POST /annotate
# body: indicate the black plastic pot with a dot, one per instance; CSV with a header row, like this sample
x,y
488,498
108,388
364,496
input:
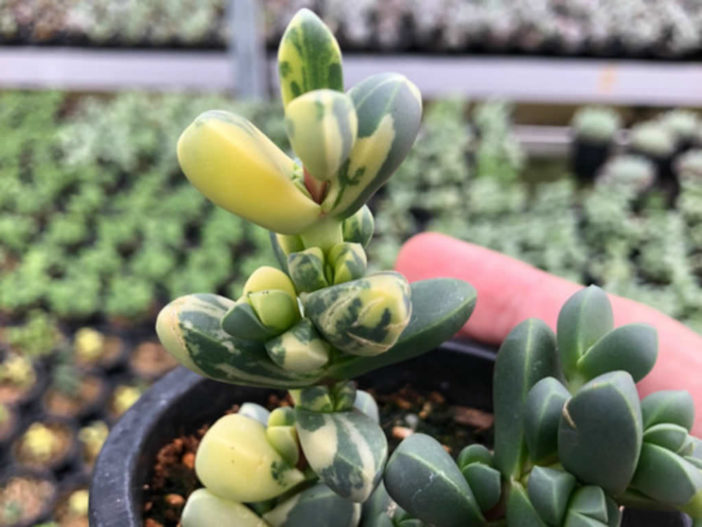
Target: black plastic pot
x,y
587,157
181,402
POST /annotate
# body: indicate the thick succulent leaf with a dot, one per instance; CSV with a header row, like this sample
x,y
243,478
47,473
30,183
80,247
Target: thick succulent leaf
x,y
632,348
474,453
306,269
300,349
239,169
423,479
348,262
520,511
486,484
440,307
309,57
377,507
255,411
359,227
284,440
189,328
694,461
549,490
275,308
239,441
347,450
668,406
600,433
667,477
666,435
389,111
322,127
363,317
526,356
315,398
279,245
242,322
542,415
205,508
365,403
614,513
583,320
587,508
318,505
267,278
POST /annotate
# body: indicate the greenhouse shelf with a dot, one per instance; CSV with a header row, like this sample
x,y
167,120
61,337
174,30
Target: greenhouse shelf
x,y
553,80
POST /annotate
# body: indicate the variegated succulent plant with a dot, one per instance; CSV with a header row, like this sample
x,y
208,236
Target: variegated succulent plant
x,y
573,442
313,326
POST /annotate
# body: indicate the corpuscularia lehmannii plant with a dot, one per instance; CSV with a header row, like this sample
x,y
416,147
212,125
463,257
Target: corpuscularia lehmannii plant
x,y
320,320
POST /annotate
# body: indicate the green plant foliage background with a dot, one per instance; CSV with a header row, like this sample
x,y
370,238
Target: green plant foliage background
x,y
97,220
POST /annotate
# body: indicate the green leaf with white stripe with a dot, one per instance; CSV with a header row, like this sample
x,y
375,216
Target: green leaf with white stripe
x,y
389,111
583,320
318,505
600,433
189,328
526,356
205,508
668,406
549,491
300,349
347,450
362,317
542,415
322,127
423,479
440,307
309,57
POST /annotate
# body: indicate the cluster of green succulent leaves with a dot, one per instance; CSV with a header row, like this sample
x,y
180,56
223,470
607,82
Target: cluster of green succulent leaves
x,y
321,320
123,230
573,442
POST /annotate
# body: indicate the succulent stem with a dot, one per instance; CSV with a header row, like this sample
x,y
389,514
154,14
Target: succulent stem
x,y
324,234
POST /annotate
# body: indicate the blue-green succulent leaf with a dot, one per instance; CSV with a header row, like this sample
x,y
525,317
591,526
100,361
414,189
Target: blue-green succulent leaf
x,y
474,453
549,490
526,356
486,484
668,406
632,348
423,479
542,415
583,320
600,433
666,435
520,511
317,505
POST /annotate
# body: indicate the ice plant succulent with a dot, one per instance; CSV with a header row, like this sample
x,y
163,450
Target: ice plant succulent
x,y
573,442
318,321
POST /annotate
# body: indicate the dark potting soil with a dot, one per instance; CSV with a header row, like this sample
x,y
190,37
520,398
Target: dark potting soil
x,y
402,413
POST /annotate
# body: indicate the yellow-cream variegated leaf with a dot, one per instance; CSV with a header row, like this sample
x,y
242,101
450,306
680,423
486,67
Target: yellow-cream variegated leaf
x,y
309,57
322,127
389,111
238,168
